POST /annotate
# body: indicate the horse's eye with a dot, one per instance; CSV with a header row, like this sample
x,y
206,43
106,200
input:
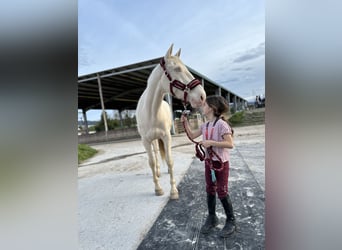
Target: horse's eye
x,y
178,69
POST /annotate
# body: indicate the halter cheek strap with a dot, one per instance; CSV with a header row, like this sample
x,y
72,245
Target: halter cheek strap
x,y
200,152
178,84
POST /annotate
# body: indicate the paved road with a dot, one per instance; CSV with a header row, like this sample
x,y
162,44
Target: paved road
x,y
118,208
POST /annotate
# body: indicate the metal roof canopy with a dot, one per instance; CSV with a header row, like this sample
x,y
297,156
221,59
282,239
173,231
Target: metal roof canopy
x,y
123,86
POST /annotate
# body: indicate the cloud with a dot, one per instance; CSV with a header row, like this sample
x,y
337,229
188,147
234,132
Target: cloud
x,y
115,36
231,80
83,58
251,54
243,69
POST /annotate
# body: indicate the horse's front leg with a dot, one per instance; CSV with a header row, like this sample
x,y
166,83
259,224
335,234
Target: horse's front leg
x,y
152,162
167,142
155,150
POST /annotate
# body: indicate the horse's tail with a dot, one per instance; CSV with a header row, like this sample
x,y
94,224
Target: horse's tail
x,y
161,148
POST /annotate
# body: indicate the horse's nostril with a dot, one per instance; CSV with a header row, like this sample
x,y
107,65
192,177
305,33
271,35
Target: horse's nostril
x,y
202,98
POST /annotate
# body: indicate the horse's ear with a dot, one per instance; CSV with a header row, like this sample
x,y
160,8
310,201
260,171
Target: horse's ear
x,y
169,52
178,53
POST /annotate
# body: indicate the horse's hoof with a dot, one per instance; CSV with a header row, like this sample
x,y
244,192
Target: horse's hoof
x,y
159,192
174,196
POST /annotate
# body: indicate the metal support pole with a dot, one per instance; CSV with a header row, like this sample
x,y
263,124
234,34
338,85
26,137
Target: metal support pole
x,y
218,91
85,120
121,120
102,103
235,103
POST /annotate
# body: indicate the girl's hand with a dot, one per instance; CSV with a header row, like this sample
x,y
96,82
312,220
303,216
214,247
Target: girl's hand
x,y
183,118
206,143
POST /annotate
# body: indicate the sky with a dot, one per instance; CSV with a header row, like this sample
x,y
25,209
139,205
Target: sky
x,y
222,39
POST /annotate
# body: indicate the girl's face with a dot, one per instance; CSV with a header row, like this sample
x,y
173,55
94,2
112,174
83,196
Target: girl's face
x,y
206,109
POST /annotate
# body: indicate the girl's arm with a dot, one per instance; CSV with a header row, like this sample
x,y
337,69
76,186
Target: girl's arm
x,y
192,133
226,143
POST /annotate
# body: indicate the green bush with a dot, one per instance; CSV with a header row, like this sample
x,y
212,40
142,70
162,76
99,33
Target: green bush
x,y
85,152
115,123
128,121
237,118
111,124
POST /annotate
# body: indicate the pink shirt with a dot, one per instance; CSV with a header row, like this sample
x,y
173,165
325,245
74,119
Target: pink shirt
x,y
221,128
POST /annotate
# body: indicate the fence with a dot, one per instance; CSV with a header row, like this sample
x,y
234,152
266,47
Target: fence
x,y
129,133
194,123
112,135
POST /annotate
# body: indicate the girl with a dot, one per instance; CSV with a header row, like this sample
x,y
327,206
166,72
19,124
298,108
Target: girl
x,y
217,139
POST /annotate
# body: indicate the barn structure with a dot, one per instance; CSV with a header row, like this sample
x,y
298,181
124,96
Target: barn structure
x,y
120,89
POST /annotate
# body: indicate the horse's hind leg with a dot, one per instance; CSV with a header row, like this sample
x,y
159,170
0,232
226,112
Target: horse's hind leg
x,y
152,162
155,150
168,157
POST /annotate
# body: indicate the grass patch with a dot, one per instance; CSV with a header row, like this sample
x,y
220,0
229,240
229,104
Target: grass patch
x,y
85,152
237,118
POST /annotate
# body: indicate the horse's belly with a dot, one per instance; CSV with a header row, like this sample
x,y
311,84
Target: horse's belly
x,y
153,133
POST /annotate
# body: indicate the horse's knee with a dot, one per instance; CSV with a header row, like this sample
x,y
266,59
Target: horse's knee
x,y
169,163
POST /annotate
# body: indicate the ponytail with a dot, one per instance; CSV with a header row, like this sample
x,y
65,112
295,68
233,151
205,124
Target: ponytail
x,y
220,107
225,118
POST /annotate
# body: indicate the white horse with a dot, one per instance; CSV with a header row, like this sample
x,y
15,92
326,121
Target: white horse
x,y
154,115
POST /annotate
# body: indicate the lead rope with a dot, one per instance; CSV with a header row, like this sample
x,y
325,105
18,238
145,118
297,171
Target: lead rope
x,y
212,153
200,153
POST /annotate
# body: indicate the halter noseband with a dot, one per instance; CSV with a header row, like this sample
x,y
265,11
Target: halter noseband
x,y
179,85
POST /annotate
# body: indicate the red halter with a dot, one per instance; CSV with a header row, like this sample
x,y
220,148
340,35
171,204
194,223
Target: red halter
x,y
179,85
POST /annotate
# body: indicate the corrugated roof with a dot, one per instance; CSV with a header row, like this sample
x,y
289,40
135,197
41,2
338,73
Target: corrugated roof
x,y
123,86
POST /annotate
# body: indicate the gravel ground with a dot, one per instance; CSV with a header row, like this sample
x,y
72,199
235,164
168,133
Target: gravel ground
x,y
117,205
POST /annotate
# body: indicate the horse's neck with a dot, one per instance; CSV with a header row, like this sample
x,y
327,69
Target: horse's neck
x,y
155,92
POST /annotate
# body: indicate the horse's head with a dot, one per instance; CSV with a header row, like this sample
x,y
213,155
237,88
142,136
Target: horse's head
x,y
182,84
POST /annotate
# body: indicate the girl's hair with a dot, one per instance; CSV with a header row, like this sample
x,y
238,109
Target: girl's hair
x,y
220,107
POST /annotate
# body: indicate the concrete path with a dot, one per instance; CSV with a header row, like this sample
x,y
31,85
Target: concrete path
x,y
117,205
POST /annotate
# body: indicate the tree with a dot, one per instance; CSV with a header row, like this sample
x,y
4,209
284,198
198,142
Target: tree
x,y
112,124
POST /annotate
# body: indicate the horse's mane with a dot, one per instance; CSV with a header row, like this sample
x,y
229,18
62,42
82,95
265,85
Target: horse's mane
x,y
154,76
